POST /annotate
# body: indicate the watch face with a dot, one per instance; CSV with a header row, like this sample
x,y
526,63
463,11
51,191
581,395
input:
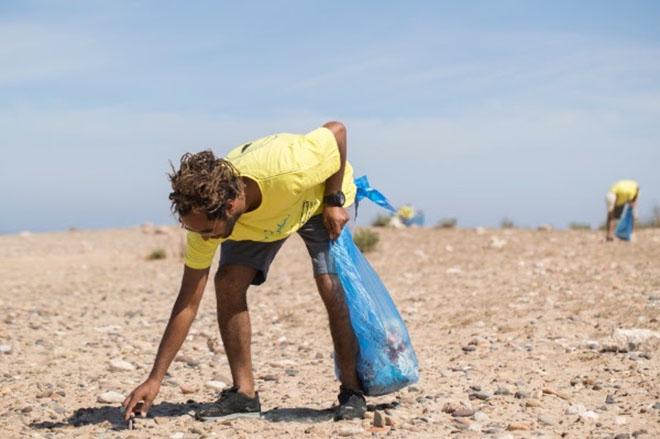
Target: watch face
x,y
341,198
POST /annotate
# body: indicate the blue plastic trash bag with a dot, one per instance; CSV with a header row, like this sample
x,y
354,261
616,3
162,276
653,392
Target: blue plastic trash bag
x,y
625,227
364,190
386,360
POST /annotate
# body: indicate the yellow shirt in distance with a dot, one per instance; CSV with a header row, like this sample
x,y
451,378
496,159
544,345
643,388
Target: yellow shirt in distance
x,y
291,170
625,191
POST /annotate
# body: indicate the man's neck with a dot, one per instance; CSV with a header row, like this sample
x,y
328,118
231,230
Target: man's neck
x,y
252,194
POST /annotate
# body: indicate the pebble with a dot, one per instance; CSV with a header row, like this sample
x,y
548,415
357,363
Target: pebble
x,y
469,348
575,409
546,420
215,385
656,406
622,436
111,397
480,417
533,403
502,391
551,391
590,415
517,426
187,389
379,420
620,420
484,396
463,412
520,394
350,431
5,349
177,435
118,365
610,399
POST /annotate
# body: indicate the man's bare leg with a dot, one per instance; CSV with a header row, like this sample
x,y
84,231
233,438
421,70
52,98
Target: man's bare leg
x,y
231,284
343,337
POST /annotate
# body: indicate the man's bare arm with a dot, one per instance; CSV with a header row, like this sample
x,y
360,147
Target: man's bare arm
x,y
183,313
334,218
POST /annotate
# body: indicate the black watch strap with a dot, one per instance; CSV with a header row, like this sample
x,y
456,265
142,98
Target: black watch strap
x,y
337,199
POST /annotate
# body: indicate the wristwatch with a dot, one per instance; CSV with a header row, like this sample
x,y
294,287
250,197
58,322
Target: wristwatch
x,y
337,199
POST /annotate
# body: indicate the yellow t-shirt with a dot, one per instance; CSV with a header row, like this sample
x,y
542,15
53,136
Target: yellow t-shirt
x,y
291,171
625,191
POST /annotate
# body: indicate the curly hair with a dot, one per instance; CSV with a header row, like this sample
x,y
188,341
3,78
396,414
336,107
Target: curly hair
x,y
204,182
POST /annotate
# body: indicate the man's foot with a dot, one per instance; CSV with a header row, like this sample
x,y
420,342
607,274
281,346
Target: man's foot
x,y
231,405
352,404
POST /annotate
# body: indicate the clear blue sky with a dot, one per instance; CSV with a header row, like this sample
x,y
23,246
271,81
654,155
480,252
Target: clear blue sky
x,y
476,110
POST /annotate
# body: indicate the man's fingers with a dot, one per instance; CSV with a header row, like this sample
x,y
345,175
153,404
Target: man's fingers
x,y
146,406
129,407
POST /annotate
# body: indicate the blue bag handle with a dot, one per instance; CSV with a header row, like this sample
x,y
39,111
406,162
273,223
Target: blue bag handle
x,y
364,190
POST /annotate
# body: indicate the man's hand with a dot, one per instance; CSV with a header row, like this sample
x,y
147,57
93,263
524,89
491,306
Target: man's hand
x,y
145,392
334,219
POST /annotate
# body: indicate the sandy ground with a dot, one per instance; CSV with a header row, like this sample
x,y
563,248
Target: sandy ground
x,y
528,333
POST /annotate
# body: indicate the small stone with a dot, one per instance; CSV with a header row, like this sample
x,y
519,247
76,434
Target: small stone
x,y
379,420
590,415
450,407
291,372
546,420
484,396
215,385
609,399
119,365
480,417
26,409
622,436
620,420
177,435
638,433
270,377
111,397
187,389
390,421
551,391
502,391
350,431
517,426
463,412
656,406
533,403
5,349
469,348
521,394
597,386
575,409
47,393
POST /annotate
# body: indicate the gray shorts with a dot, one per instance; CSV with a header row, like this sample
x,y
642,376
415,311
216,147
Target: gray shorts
x,y
259,255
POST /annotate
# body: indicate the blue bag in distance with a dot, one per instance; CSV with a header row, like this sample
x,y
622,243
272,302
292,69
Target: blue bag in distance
x,y
625,227
386,360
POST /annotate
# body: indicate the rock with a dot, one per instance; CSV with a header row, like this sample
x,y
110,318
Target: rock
x,y
575,409
469,348
480,417
291,372
177,435
350,431
214,346
450,407
521,394
118,365
111,397
546,420
379,420
517,426
390,421
502,391
215,385
622,436
551,391
484,396
5,349
463,412
533,403
634,337
656,406
592,344
620,420
589,415
187,389
46,393
609,399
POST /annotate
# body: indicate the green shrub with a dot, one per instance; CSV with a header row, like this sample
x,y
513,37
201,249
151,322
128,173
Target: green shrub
x,y
447,223
365,239
382,220
507,223
156,254
577,225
